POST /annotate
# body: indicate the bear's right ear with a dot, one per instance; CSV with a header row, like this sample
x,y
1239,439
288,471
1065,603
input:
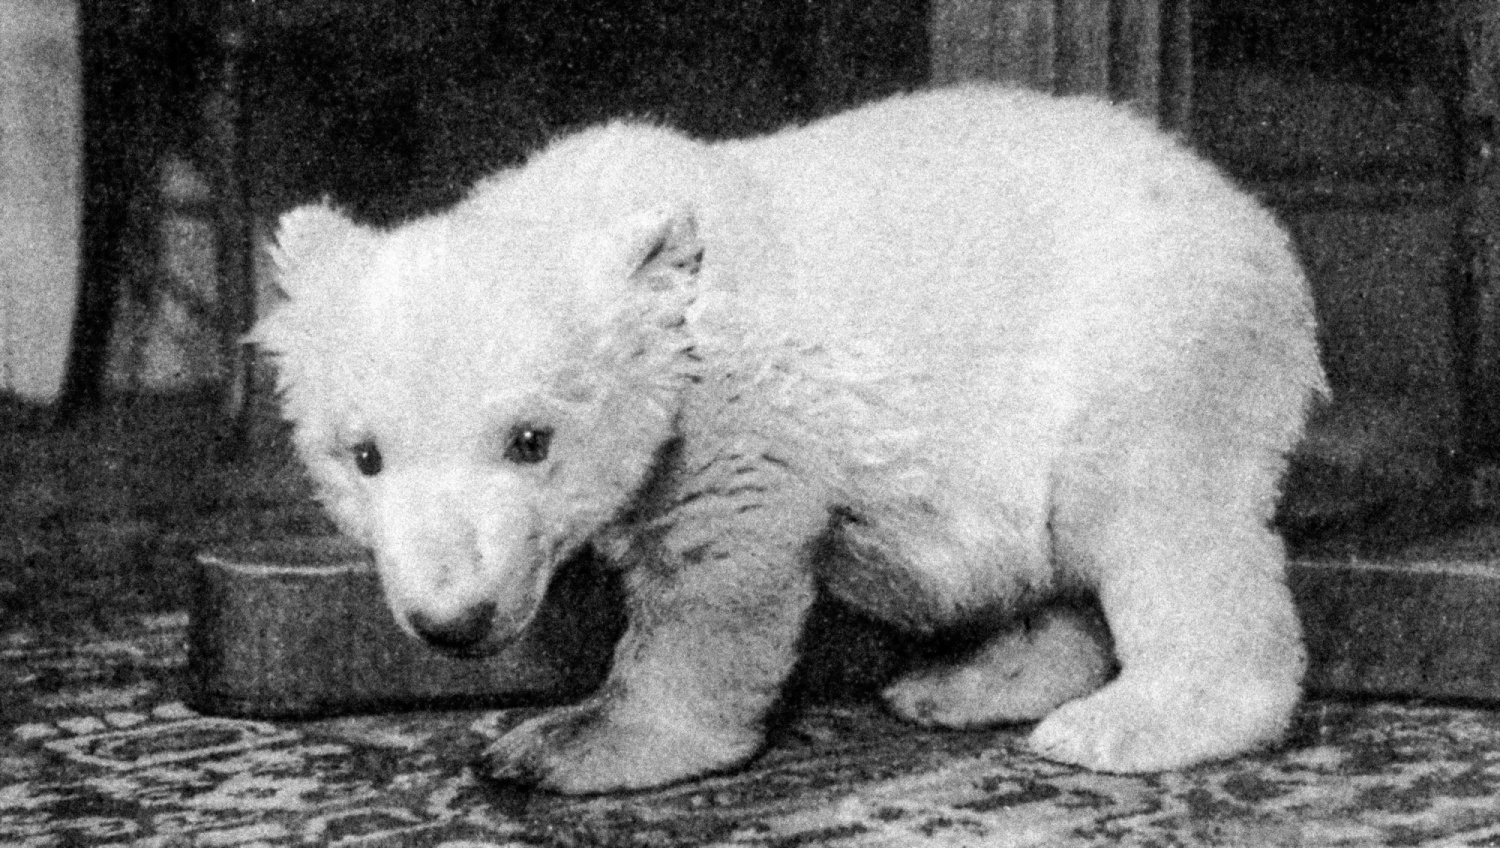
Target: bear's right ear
x,y
666,252
307,235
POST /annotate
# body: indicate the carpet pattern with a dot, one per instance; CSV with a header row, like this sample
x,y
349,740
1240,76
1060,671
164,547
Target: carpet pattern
x,y
97,748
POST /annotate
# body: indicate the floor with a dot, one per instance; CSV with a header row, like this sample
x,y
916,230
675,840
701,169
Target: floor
x,y
98,746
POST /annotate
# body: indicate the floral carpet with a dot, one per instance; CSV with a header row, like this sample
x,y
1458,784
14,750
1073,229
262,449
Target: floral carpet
x,y
99,523
98,748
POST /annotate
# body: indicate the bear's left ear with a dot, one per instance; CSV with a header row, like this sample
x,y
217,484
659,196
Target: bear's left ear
x,y
665,252
306,237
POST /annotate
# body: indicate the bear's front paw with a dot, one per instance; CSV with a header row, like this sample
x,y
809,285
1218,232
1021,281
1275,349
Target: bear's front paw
x,y
588,748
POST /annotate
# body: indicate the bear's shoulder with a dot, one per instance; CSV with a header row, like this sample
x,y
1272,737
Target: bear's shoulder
x,y
602,170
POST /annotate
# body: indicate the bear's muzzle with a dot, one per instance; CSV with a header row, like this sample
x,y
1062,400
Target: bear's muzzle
x,y
462,633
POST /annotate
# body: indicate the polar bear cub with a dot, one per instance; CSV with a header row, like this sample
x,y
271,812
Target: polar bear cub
x,y
959,358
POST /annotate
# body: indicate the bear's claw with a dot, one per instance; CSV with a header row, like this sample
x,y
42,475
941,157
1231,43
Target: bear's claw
x,y
550,751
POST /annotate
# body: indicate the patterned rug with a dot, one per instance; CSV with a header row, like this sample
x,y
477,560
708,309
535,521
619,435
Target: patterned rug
x,y
99,749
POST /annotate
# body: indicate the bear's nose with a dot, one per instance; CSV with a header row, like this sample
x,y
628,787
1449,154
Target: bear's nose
x,y
455,633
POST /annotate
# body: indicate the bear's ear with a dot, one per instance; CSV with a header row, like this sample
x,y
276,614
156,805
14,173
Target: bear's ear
x,y
665,251
307,235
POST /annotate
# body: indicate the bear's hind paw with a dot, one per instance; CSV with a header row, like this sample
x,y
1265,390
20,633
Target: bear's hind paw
x,y
1128,727
1020,675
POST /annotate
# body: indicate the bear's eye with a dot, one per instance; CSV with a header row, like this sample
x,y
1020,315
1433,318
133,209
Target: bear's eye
x,y
367,458
528,445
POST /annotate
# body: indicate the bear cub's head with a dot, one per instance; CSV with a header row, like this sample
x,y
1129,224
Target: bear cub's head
x,y
476,394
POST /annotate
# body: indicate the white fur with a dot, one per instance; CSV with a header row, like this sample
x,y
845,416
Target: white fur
x,y
994,346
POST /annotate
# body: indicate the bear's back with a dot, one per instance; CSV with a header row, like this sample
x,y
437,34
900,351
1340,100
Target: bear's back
x,y
1020,243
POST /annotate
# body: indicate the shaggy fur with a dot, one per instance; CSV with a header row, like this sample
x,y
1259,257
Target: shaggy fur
x,y
959,358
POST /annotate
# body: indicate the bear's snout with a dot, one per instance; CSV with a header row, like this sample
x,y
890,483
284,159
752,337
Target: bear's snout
x,y
455,553
458,632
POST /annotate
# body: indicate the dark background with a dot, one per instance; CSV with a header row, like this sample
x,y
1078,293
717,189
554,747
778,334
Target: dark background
x,y
1339,112
392,107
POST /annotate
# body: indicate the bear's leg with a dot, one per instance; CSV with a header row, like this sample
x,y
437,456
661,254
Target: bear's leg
x,y
1055,655
1204,629
712,635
